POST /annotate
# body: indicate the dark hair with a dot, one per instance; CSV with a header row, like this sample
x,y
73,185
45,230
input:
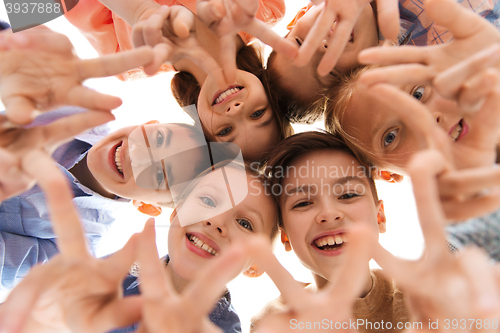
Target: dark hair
x,y
290,107
186,89
288,150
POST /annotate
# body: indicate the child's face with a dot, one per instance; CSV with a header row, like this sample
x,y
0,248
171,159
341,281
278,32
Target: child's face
x,y
111,163
191,247
304,82
319,205
241,114
383,133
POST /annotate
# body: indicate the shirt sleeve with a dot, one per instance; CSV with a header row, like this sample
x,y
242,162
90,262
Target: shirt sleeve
x,y
18,254
483,232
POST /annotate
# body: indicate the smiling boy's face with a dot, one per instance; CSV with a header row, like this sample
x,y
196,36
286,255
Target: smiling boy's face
x,y
319,208
304,82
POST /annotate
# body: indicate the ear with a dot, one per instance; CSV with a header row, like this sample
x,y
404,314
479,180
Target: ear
x,y
285,241
390,177
381,220
145,208
253,272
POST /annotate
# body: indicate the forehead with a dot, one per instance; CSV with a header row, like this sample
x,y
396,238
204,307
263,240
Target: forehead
x,y
323,164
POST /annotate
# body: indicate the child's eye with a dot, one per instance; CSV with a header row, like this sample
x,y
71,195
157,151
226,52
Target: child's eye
x,y
302,204
298,41
160,176
160,138
245,223
418,92
390,137
208,201
257,114
225,131
349,196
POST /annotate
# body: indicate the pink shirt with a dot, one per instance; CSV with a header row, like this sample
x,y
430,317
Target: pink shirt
x,y
108,33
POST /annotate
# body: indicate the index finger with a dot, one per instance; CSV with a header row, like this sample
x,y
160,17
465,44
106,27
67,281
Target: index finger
x,y
65,221
336,46
423,169
388,18
316,35
260,30
115,63
460,22
357,255
152,276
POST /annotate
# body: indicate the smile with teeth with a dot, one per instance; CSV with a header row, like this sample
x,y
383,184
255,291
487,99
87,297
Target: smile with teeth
x,y
118,161
455,133
330,242
225,94
199,244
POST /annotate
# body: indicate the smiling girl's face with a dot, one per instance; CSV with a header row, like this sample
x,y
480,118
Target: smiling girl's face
x,y
220,222
388,139
241,114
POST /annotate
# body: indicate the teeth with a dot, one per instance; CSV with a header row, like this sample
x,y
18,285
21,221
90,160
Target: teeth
x,y
331,240
226,93
456,131
199,244
118,160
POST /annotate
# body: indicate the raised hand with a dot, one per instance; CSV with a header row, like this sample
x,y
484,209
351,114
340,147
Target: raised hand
x,y
166,310
471,33
431,283
54,77
335,24
73,291
172,33
470,167
18,142
335,301
227,18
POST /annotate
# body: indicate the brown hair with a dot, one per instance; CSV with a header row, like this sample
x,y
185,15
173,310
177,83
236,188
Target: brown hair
x,y
288,150
290,107
186,89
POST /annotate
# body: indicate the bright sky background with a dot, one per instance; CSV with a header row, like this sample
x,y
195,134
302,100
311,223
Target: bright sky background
x,y
150,98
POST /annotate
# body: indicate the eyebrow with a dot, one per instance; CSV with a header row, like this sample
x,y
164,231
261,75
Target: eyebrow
x,y
306,188
169,137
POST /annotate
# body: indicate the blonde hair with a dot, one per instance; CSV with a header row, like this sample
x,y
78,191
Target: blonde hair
x,y
338,101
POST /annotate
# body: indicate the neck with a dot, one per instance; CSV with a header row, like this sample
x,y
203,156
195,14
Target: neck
x,y
179,282
81,172
321,282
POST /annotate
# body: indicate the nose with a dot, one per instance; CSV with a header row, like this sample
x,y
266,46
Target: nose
x,y
216,225
438,116
235,107
329,213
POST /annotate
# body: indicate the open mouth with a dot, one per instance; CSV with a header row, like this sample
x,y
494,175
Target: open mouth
x,y
221,97
118,160
330,242
458,131
201,245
